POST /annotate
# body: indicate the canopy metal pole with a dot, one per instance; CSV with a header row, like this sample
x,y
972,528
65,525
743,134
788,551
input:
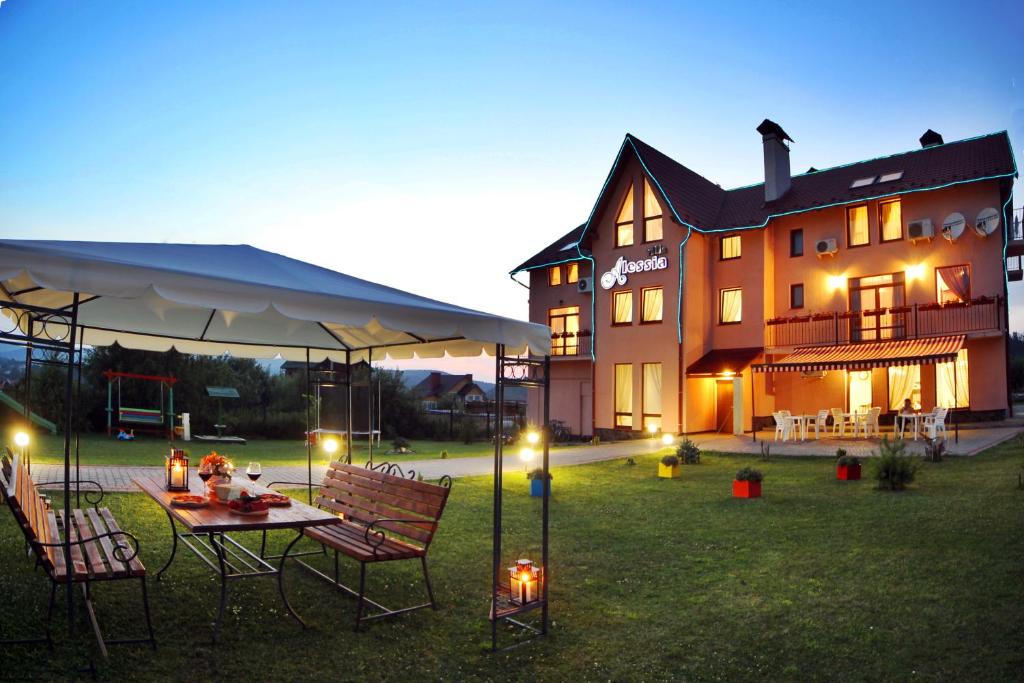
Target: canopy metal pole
x,y
78,432
309,435
29,333
68,412
369,402
753,404
956,402
348,407
547,493
499,397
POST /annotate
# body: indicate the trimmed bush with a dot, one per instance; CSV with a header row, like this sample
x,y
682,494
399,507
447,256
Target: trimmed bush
x,y
893,469
688,452
670,461
847,460
537,473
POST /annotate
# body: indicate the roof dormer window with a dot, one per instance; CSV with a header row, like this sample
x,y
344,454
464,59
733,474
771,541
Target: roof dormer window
x,y
652,215
624,222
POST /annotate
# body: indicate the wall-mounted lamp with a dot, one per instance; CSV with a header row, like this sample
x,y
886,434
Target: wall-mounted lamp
x,y
836,282
915,272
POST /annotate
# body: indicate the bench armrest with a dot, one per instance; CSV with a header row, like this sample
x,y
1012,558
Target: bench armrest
x,y
92,497
378,536
125,542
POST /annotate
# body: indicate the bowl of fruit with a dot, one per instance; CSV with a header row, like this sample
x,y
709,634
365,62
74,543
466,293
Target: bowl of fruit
x,y
252,506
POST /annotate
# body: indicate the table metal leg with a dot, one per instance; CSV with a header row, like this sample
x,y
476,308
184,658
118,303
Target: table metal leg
x,y
280,581
218,548
174,547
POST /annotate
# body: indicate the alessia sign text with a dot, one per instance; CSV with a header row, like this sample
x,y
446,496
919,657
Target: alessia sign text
x,y
617,275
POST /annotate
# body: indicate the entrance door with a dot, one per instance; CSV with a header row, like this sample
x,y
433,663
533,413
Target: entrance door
x,y
723,405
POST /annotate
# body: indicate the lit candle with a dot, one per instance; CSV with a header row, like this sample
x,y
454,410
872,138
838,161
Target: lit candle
x,y
177,475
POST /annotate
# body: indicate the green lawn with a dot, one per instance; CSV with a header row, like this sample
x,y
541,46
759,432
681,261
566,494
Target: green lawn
x,y
98,449
652,580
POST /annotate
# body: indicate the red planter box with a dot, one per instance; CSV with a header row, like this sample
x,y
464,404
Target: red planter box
x,y
848,472
746,489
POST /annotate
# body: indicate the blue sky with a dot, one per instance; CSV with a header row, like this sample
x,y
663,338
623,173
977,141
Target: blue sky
x,y
434,147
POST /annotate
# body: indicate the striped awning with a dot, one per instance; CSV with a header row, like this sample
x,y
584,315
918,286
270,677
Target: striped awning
x,y
867,355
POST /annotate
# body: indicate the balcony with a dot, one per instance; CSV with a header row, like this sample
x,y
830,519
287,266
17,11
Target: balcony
x,y
570,344
983,314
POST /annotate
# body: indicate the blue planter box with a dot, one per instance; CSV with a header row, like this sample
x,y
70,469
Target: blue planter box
x,y
537,488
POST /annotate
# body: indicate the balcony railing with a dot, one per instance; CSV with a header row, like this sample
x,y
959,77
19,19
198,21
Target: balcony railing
x,y
898,322
572,344
1015,248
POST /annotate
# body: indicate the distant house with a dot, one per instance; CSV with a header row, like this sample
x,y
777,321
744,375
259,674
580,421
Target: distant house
x,y
437,386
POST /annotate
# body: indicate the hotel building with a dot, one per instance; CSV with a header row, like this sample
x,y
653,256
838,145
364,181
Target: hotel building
x,y
684,307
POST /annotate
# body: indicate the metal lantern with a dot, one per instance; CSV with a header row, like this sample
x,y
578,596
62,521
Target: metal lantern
x,y
177,470
524,582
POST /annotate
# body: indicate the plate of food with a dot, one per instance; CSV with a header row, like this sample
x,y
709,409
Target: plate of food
x,y
275,499
186,500
249,506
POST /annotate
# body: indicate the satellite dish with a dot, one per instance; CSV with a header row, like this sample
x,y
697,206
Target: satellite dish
x,y
953,226
987,222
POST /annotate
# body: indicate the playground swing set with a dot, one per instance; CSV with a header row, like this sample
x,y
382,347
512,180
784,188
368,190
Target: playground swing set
x,y
158,420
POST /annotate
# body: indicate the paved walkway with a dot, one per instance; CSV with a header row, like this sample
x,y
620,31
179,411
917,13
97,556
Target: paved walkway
x,y
972,441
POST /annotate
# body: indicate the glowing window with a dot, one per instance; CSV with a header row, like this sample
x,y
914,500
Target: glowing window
x,y
651,395
622,307
730,247
652,215
623,396
904,383
651,304
554,276
565,327
890,219
624,222
950,380
953,284
857,226
730,306
572,273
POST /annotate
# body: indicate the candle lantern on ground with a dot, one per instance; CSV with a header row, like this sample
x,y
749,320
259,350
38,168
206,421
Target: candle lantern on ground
x,y
177,470
524,582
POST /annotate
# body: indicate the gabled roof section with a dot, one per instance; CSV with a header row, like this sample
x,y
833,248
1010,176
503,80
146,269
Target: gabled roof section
x,y
693,198
561,250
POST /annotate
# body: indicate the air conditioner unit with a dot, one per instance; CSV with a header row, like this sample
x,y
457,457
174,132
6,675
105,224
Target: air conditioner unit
x,y
827,247
585,284
920,230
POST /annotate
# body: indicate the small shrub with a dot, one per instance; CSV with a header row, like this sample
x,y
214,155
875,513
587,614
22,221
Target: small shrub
x,y
670,461
630,461
840,453
847,460
934,449
444,455
893,468
749,474
399,445
688,452
538,473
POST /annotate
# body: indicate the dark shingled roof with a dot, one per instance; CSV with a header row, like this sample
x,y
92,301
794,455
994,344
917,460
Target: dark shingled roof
x,y
554,252
706,206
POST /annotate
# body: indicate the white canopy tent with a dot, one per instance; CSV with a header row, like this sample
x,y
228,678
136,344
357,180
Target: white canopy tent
x,y
215,299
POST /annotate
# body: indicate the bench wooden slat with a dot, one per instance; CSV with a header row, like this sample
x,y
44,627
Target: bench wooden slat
x,y
78,564
362,513
410,486
381,494
349,539
55,555
135,566
92,550
114,567
374,509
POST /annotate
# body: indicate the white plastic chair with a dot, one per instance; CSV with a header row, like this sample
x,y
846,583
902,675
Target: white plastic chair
x,y
783,425
840,420
821,423
933,424
871,427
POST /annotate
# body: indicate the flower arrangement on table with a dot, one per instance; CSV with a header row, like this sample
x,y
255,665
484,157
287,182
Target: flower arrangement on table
x,y
219,466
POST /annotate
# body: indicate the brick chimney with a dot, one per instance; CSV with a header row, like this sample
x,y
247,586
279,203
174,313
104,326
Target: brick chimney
x,y
777,178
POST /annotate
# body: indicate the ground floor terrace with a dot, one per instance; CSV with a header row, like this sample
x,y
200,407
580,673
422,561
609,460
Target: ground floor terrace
x,y
730,391
657,580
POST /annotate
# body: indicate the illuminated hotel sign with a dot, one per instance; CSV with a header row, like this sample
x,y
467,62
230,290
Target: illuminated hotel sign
x,y
617,275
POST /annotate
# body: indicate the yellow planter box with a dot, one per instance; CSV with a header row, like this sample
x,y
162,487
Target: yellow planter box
x,y
668,471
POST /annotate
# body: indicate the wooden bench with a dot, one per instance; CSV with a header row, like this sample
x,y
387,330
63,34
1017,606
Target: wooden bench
x,y
385,518
99,550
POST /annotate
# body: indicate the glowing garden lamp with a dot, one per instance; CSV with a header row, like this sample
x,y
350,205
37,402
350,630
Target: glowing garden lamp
x,y
668,439
331,446
177,470
21,439
532,438
652,429
524,582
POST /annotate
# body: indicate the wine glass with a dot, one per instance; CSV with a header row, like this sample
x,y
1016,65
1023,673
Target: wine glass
x,y
205,472
253,471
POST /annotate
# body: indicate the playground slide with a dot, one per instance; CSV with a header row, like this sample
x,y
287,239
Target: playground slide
x,y
15,404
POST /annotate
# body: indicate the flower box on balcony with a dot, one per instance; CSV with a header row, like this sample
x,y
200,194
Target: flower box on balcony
x,y
817,317
776,321
897,310
800,319
873,312
955,304
929,307
983,300
849,315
